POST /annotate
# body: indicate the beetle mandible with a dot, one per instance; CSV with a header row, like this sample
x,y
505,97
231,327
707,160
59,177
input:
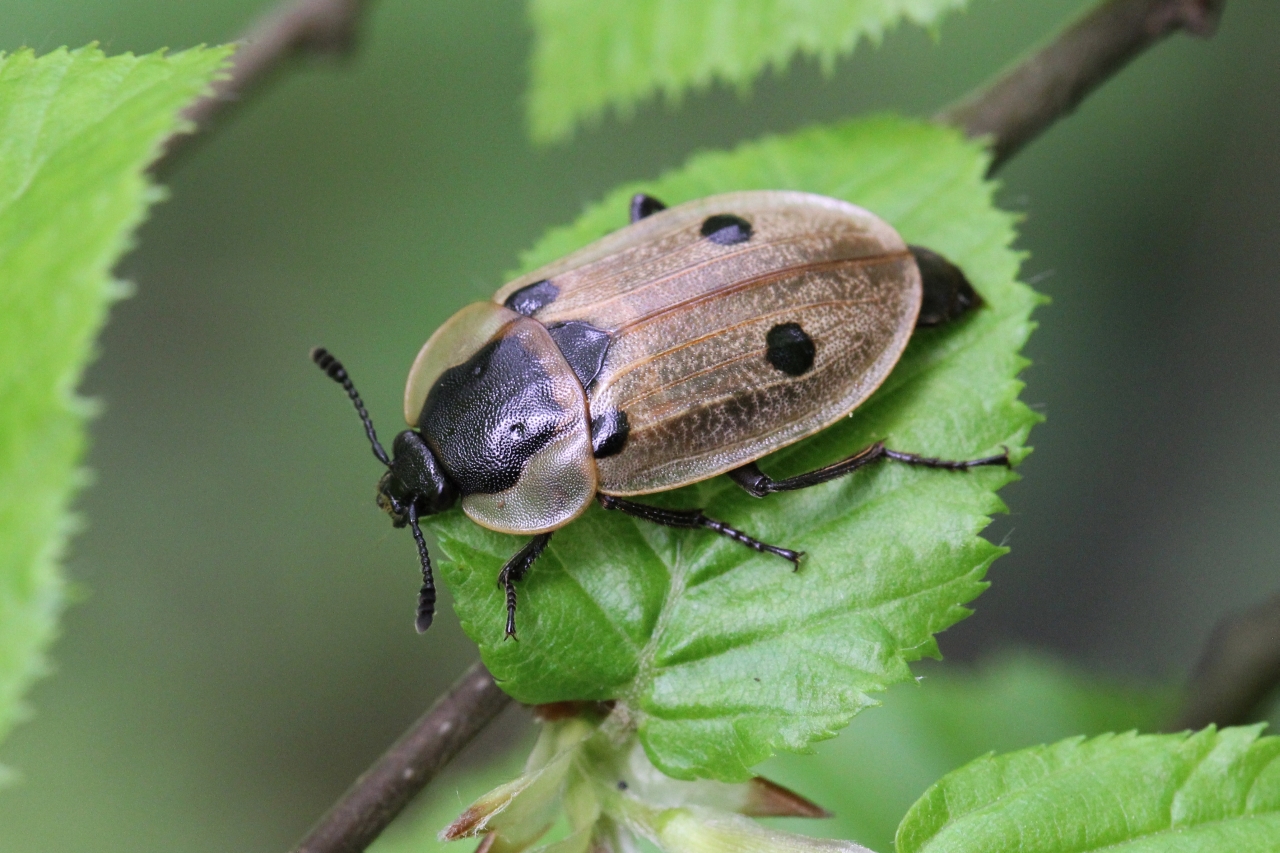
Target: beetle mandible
x,y
690,343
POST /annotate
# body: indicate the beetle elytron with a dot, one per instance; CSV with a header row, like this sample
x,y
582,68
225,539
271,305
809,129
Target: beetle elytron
x,y
690,343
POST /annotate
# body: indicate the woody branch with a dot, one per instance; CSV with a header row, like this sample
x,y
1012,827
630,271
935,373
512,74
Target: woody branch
x,y
1020,104
318,27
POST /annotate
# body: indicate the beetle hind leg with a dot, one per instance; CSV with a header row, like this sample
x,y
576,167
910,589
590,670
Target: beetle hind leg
x,y
515,570
759,484
690,518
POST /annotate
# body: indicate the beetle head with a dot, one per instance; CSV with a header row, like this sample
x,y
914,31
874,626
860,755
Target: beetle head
x,y
414,476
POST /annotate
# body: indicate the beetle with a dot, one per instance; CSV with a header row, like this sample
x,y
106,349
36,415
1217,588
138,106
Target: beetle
x,y
688,344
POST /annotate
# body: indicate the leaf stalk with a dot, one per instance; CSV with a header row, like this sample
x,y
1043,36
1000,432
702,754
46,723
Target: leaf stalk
x,y
1024,101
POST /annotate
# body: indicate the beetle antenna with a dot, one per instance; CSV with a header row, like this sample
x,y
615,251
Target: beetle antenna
x,y
335,371
426,595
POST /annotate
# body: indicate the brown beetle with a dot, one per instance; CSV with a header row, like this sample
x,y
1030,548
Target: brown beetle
x,y
690,343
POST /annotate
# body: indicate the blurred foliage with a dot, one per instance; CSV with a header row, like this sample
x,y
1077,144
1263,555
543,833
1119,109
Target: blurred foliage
x,y
722,655
77,129
1182,793
877,767
590,54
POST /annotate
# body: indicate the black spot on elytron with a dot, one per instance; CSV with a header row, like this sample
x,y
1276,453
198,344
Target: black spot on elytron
x,y
644,205
485,418
531,297
726,229
947,293
609,433
790,349
583,346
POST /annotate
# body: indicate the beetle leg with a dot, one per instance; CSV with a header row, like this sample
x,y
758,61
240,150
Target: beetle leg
x,y
426,595
759,484
689,518
515,570
948,464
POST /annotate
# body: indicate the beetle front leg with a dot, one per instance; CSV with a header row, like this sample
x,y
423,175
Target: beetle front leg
x,y
515,570
426,595
759,484
690,518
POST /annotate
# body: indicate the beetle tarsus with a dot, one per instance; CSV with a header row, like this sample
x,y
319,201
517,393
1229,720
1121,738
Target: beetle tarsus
x,y
758,484
690,518
515,570
510,632
948,464
750,541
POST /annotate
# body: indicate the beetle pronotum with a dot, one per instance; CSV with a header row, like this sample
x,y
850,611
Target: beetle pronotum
x,y
690,343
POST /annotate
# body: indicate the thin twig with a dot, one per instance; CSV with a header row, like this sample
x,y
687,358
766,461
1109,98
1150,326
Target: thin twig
x,y
373,800
1013,110
1237,672
325,27
1021,103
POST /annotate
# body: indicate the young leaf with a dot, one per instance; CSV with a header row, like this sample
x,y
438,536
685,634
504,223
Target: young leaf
x,y
599,782
722,656
1208,791
589,54
77,129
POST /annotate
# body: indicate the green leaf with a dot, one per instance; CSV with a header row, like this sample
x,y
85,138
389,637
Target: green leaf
x,y
951,717
722,656
77,129
871,774
589,54
1210,791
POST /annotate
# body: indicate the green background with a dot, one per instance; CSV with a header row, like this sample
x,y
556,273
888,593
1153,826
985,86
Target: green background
x,y
243,646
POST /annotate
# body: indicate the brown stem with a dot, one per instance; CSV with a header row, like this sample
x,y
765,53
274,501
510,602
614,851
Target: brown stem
x,y
1022,102
297,27
373,800
1012,111
1238,670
